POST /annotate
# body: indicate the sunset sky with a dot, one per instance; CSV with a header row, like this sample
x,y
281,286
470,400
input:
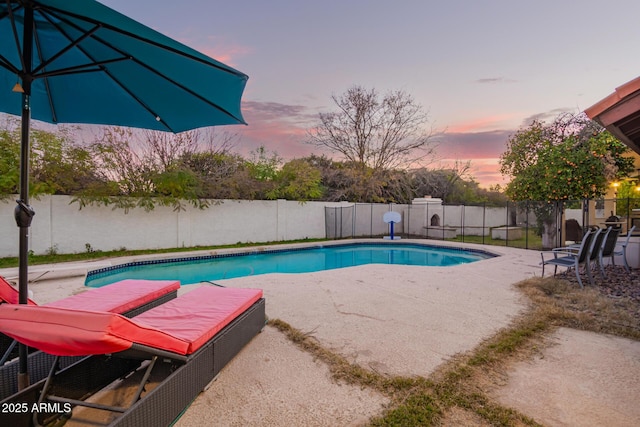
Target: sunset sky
x,y
481,68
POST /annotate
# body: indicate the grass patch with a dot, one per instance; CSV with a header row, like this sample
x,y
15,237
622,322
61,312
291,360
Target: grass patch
x,y
463,384
53,257
509,341
341,368
419,409
529,241
562,303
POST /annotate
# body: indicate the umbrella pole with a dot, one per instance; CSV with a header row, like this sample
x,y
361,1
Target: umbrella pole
x,y
23,212
23,355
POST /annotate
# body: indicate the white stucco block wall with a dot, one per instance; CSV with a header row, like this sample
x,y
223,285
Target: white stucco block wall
x,y
62,226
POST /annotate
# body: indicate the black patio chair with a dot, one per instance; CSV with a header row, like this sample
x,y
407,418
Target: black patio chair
x,y
607,249
622,251
573,257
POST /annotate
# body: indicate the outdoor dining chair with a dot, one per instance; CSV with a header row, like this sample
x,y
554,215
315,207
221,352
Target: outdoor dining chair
x,y
573,257
607,249
621,250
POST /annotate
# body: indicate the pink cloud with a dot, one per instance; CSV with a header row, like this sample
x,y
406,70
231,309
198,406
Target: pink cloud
x,y
474,145
218,48
482,124
280,128
225,54
487,172
484,171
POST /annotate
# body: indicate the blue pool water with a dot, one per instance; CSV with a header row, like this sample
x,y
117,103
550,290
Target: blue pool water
x,y
305,260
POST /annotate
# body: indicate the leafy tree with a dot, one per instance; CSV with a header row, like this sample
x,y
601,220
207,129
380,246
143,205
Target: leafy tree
x,y
120,161
466,192
164,149
263,165
57,164
222,175
397,186
9,163
374,132
572,158
225,175
342,180
494,196
156,168
297,180
628,197
443,182
175,185
455,185
351,182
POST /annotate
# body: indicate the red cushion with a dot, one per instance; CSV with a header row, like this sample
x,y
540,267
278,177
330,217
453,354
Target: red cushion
x,y
67,332
181,325
10,294
119,297
200,314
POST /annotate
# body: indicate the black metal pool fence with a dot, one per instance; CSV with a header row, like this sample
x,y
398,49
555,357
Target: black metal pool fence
x,y
528,224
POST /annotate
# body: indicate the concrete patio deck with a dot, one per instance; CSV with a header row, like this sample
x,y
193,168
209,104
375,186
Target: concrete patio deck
x,y
396,320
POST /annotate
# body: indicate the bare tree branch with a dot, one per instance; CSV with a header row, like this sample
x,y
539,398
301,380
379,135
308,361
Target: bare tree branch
x,y
378,133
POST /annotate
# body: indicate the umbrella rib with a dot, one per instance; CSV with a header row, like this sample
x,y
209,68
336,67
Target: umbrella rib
x,y
14,29
88,67
4,62
84,68
52,106
5,14
43,64
139,101
70,46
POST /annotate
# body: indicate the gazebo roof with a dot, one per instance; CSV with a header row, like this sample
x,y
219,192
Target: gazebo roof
x,y
620,113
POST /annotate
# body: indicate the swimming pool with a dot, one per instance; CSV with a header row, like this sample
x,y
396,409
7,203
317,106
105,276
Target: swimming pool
x,y
300,260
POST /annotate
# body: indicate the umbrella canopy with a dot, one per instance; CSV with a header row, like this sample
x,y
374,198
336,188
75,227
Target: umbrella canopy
x,y
79,61
91,64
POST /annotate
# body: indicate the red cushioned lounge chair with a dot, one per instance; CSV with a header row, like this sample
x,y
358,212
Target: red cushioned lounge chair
x,y
127,297
190,338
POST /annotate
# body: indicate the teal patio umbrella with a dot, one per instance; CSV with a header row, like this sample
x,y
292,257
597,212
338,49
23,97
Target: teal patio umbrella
x,y
78,61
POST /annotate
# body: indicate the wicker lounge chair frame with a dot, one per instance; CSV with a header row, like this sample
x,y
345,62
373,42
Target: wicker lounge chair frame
x,y
186,377
39,364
